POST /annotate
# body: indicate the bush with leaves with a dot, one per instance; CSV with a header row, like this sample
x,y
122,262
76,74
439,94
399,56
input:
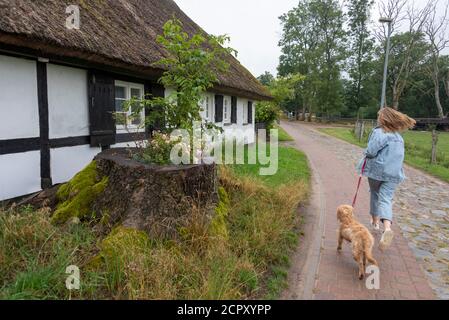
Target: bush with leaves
x,y
157,151
268,113
192,67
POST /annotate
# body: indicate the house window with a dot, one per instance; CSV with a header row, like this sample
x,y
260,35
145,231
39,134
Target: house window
x,y
226,111
245,112
125,118
207,108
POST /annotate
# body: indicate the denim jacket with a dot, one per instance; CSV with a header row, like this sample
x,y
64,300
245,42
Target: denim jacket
x,y
385,157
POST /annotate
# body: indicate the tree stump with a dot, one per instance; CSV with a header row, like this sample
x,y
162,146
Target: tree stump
x,y
151,198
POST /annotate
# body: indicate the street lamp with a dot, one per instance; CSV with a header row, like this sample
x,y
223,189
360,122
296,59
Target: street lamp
x,y
387,53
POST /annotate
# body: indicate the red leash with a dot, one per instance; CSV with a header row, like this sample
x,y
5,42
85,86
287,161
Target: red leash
x,y
358,185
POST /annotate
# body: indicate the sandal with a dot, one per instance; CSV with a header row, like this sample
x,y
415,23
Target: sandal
x,y
387,238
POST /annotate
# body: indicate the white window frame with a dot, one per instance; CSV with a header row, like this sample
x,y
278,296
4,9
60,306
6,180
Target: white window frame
x,y
245,111
226,109
130,126
207,107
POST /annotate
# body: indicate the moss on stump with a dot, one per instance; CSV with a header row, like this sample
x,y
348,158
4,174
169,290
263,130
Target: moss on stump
x,y
75,198
115,190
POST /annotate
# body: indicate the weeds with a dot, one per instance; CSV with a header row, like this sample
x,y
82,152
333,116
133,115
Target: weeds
x,y
242,254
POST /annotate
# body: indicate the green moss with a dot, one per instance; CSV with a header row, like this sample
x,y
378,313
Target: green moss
x,y
75,198
120,245
218,225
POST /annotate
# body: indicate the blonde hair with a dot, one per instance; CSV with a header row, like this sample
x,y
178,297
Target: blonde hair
x,y
392,121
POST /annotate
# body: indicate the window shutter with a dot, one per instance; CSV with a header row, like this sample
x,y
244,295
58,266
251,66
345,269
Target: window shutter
x,y
158,91
147,88
233,109
153,90
218,108
250,112
101,109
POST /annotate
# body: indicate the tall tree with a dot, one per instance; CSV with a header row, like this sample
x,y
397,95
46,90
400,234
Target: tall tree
x,y
329,22
360,65
312,45
414,19
266,78
436,30
298,44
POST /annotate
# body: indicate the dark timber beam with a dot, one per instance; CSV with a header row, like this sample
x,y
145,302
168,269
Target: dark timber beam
x,y
44,128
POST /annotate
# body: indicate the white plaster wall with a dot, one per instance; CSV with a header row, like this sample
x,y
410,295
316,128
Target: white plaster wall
x,y
229,129
67,101
19,174
18,100
66,162
240,130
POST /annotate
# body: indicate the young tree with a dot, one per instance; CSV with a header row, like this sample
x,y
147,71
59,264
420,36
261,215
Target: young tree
x,y
192,66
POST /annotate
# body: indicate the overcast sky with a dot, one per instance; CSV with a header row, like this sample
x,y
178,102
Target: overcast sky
x,y
253,26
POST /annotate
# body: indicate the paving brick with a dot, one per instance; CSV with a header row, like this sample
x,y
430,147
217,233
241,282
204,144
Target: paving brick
x,y
401,276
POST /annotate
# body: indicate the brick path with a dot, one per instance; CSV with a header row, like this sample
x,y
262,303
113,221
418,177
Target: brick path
x,y
328,275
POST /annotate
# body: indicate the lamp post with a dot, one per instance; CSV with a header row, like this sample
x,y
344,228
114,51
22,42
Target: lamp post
x,y
387,53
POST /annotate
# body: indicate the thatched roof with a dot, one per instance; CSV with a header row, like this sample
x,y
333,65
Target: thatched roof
x,y
113,33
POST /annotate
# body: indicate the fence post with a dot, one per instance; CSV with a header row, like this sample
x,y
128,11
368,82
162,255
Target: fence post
x,y
362,130
433,160
356,128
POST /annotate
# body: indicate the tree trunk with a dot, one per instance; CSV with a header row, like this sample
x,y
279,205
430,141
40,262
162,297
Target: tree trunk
x,y
446,84
438,101
304,107
309,118
395,104
156,199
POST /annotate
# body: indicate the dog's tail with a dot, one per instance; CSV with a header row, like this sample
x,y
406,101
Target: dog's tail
x,y
367,251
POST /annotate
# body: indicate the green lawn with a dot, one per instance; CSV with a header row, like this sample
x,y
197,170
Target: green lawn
x,y
283,135
418,149
292,167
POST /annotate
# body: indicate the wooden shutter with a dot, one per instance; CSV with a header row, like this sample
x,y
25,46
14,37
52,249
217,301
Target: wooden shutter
x,y
233,109
250,112
101,109
218,108
148,93
158,91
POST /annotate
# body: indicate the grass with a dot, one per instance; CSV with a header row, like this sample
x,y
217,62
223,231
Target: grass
x,y
292,166
418,146
243,254
283,135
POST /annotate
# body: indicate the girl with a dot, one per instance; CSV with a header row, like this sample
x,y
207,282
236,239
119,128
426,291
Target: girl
x,y
384,167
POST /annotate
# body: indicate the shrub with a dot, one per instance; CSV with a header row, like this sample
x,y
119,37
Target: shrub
x,y
268,113
157,151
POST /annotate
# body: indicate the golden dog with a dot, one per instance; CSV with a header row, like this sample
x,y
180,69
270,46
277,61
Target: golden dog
x,y
361,239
